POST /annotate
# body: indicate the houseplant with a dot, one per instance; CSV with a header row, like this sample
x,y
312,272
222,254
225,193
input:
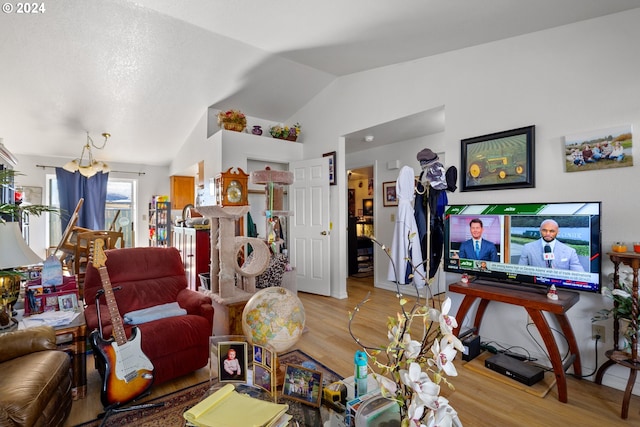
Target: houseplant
x,y
232,120
411,371
289,133
622,309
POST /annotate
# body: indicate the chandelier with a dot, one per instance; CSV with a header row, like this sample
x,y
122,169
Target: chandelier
x,y
86,164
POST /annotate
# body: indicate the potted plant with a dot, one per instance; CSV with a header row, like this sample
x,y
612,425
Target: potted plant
x,y
232,120
621,310
289,133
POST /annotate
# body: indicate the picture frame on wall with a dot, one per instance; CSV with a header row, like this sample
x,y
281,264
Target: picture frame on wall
x,y
367,207
389,196
498,161
332,167
599,149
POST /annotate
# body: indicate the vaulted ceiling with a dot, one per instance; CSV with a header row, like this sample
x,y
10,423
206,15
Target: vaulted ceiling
x,y
147,70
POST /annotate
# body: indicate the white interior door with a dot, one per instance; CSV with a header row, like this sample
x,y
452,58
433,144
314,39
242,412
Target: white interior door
x,y
309,197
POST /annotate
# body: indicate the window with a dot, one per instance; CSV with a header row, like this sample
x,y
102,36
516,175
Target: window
x,y
120,208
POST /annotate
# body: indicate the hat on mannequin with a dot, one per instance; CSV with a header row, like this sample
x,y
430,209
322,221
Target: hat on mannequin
x,y
427,156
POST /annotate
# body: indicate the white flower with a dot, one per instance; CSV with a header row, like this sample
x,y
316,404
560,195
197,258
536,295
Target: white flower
x,y
411,347
443,416
388,387
424,390
444,353
415,413
621,293
447,323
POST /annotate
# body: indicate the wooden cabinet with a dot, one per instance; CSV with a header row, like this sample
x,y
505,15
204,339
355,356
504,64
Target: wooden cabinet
x,y
183,191
615,355
195,249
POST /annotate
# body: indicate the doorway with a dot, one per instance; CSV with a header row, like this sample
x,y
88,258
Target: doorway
x,y
360,251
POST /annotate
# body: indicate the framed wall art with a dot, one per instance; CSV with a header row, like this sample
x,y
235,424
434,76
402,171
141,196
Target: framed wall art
x,y
389,196
499,160
367,207
332,166
599,149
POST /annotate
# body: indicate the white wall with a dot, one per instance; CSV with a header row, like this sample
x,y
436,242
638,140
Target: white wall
x,y
564,80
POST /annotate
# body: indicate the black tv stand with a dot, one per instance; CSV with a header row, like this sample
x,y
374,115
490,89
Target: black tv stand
x,y
535,303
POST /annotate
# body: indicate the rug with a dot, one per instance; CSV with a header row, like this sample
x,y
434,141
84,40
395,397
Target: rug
x,y
176,403
539,389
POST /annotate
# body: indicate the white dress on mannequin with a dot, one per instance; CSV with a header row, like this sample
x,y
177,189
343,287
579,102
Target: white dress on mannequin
x,y
406,242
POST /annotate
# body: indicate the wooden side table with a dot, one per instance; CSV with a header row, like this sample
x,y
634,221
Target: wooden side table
x,y
72,339
535,303
617,357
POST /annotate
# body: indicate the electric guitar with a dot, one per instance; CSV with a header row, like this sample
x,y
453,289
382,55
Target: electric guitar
x,y
126,371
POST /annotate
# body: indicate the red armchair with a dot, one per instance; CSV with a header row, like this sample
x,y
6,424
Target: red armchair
x,y
149,277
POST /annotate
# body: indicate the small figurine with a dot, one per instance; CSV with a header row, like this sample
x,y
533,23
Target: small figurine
x,y
464,278
552,294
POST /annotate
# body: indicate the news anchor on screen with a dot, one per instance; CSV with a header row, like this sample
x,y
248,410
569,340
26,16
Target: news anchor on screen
x,y
477,247
548,252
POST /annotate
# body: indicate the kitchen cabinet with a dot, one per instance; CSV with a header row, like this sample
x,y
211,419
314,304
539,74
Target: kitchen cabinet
x,y
182,191
195,250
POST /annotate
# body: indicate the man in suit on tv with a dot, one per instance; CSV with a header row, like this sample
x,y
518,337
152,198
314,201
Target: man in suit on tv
x,y
549,252
477,247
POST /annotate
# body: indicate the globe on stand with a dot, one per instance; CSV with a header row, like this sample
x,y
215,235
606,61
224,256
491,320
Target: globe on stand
x,y
274,317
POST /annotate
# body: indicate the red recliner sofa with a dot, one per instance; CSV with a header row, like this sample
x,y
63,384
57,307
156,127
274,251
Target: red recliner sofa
x,y
150,277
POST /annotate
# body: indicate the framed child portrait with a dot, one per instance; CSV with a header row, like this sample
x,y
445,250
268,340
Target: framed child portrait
x,y
303,385
232,360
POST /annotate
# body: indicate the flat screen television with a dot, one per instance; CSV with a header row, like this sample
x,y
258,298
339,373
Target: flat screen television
x,y
510,227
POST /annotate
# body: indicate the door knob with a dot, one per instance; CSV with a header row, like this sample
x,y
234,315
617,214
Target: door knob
x,y
324,233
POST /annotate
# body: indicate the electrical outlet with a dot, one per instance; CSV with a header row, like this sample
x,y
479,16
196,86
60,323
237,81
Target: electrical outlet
x,y
597,330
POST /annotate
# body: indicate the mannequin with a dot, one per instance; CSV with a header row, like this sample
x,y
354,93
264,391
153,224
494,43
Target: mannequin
x,y
430,202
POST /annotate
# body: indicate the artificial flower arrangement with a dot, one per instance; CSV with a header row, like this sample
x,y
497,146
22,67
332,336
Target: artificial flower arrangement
x,y
285,132
411,371
232,116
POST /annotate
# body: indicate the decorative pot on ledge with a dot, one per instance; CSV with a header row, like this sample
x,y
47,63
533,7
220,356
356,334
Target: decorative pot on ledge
x,y
237,127
291,137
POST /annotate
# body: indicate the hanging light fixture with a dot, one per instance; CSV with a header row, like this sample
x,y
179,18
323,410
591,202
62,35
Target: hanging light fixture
x,y
88,166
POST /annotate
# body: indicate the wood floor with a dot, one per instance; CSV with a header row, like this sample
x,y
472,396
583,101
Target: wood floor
x,y
479,401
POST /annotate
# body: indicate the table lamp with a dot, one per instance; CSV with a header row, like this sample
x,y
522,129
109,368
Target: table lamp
x,y
14,253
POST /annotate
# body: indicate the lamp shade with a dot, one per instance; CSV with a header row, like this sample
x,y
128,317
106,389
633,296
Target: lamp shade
x,y
14,251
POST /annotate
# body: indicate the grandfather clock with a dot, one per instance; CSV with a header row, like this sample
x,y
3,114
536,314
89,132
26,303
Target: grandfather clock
x,y
231,188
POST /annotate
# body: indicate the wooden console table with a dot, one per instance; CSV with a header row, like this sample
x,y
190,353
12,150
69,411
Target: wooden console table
x,y
535,303
617,357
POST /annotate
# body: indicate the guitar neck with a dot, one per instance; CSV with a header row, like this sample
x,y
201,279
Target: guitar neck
x,y
116,320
